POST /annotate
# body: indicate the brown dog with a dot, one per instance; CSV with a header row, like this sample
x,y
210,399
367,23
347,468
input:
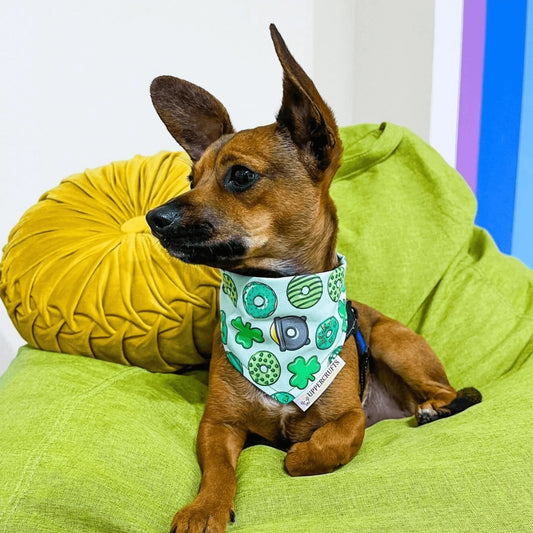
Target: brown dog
x,y
259,206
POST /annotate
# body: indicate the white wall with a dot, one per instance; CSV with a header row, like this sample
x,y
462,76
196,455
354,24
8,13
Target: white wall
x,y
446,78
75,77
394,49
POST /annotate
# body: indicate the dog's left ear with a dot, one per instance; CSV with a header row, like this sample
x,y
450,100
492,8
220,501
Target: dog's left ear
x,y
305,115
194,117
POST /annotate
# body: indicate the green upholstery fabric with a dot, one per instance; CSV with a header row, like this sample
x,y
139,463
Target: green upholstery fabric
x,y
91,446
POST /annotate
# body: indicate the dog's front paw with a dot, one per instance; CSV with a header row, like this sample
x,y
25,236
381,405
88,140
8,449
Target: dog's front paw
x,y
196,518
303,460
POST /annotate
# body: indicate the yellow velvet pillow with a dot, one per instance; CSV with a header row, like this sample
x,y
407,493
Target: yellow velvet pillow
x,y
82,274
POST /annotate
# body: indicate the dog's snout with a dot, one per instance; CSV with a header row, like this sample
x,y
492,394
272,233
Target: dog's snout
x,y
163,218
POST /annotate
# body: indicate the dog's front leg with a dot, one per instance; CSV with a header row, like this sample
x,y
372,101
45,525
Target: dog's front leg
x,y
330,446
218,447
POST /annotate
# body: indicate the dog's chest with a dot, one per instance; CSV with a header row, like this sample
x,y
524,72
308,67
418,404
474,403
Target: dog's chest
x,y
274,420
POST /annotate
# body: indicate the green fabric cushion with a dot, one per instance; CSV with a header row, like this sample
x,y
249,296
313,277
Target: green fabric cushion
x,y
407,230
90,446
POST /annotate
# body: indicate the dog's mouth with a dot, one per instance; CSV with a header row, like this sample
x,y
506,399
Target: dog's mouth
x,y
225,254
196,242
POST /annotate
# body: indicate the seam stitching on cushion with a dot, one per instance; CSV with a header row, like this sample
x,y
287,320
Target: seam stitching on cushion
x,y
362,169
379,160
476,271
62,420
521,359
500,295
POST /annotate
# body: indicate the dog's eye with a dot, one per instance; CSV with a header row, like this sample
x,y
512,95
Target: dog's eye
x,y
239,178
191,180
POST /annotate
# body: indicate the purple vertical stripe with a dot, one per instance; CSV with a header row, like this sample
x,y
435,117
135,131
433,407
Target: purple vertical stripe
x,y
474,18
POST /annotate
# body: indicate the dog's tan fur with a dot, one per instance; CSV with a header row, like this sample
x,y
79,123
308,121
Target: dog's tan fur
x,y
285,223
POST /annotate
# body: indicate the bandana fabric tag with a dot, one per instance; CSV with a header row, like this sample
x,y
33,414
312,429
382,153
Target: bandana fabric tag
x,y
285,334
305,400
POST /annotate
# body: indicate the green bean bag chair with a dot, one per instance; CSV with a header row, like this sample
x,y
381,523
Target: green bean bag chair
x,y
96,444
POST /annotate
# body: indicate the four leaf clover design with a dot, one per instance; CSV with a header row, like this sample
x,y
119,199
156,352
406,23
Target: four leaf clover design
x,y
304,371
246,335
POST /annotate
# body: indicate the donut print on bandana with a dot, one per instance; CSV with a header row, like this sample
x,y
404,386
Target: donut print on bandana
x,y
235,361
223,328
336,284
228,287
304,291
285,334
326,333
264,368
260,300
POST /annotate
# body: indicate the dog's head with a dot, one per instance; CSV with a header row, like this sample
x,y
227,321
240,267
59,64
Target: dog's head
x,y
259,199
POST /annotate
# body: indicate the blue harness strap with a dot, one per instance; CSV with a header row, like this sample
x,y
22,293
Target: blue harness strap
x,y
363,351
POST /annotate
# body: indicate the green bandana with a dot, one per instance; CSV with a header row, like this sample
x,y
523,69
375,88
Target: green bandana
x,y
285,334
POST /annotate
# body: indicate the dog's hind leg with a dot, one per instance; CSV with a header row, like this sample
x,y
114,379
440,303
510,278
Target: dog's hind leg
x,y
418,379
465,398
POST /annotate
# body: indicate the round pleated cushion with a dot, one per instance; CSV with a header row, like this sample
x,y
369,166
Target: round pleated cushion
x,y
82,274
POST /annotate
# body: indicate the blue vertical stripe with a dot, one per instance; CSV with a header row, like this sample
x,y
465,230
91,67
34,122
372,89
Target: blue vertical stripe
x,y
500,118
523,222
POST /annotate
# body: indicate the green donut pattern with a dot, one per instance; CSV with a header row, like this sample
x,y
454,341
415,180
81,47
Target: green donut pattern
x,y
260,301
283,397
235,361
344,315
223,327
304,291
284,334
334,354
326,333
264,368
228,287
336,284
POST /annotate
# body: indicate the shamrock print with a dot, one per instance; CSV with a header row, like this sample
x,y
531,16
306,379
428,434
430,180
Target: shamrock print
x,y
304,371
246,335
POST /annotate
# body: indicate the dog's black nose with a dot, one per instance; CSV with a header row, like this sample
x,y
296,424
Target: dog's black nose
x,y
164,218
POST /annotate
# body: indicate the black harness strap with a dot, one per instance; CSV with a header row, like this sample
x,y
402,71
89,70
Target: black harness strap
x,y
363,351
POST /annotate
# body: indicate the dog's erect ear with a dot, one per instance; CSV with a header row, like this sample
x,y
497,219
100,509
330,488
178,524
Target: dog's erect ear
x,y
305,115
193,117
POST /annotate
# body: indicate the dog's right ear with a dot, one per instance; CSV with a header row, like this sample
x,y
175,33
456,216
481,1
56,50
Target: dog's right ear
x,y
193,117
305,115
